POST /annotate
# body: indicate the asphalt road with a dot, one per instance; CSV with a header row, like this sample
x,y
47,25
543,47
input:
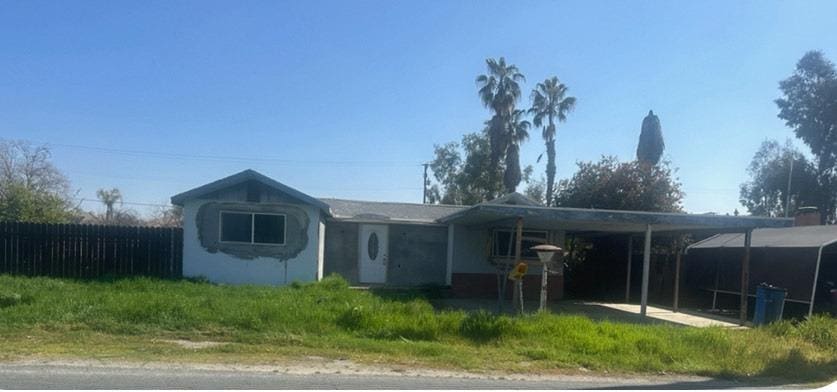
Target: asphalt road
x,y
50,376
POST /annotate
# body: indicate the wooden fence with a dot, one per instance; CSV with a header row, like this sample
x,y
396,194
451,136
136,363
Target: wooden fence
x,y
90,251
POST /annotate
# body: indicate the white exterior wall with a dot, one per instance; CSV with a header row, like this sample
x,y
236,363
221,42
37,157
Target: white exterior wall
x,y
220,267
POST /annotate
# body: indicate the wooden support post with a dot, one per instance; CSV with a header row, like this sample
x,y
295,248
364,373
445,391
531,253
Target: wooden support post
x,y
544,284
677,261
518,292
628,279
501,280
646,270
745,277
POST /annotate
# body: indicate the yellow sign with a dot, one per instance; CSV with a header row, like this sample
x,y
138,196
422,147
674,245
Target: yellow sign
x,y
518,271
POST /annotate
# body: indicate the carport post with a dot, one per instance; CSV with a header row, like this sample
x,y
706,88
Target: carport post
x,y
628,279
816,276
646,266
677,261
745,276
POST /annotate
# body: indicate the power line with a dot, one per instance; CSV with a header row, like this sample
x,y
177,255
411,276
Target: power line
x,y
83,199
226,158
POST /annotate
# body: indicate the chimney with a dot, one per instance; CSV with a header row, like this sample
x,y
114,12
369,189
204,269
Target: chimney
x,y
806,216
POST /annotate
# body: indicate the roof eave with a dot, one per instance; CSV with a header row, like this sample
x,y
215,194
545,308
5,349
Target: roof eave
x,y
247,175
639,217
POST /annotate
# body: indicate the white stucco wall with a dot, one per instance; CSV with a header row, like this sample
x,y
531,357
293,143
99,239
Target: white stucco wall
x,y
220,267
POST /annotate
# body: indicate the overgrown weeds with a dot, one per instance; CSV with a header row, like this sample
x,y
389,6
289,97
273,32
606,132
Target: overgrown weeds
x,y
820,330
329,318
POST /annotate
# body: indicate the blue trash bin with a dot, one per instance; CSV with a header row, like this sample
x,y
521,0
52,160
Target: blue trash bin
x,y
770,304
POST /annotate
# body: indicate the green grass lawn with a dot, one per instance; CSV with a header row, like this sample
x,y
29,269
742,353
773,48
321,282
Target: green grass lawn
x,y
132,318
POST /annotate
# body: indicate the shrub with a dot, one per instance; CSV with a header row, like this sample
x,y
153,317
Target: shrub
x,y
482,326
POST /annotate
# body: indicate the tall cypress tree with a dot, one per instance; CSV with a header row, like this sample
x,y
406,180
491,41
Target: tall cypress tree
x,y
651,145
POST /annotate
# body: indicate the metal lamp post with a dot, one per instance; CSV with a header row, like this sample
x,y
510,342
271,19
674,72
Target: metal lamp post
x,y
546,253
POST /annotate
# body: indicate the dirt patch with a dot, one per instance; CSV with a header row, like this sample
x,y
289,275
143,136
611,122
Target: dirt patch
x,y
312,365
193,345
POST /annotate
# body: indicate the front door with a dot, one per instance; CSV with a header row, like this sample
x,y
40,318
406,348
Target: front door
x,y
374,253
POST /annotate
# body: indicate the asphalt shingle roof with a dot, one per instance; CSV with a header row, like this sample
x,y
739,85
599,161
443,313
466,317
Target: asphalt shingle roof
x,y
389,211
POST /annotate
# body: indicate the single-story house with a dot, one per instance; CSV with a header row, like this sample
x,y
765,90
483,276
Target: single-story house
x,y
249,228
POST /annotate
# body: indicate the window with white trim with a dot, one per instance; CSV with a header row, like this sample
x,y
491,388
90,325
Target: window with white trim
x,y
504,242
252,228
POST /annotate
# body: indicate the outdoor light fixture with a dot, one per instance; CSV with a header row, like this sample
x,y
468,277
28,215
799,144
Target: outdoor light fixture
x,y
546,252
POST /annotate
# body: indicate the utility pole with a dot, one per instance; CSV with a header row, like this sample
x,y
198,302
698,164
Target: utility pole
x,y
424,185
787,197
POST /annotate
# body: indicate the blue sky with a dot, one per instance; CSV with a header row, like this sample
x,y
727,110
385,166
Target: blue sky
x,y
347,98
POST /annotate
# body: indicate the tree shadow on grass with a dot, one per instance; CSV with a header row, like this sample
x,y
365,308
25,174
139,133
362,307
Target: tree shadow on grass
x,y
793,370
796,368
427,292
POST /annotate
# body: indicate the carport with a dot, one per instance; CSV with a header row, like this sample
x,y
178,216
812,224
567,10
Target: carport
x,y
521,216
799,259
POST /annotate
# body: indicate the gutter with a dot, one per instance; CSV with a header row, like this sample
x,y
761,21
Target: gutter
x,y
700,242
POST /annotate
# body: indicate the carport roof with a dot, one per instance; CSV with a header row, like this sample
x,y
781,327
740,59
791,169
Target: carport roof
x,y
594,220
787,237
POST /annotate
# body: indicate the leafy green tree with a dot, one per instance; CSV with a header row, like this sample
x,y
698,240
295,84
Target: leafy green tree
x,y
610,184
650,148
536,190
31,188
766,192
22,204
550,104
500,91
466,181
809,106
469,180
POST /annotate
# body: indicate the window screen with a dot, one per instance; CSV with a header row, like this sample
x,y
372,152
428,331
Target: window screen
x,y
269,229
236,227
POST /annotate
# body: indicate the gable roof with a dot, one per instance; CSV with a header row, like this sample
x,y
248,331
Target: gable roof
x,y
389,211
788,237
244,176
516,199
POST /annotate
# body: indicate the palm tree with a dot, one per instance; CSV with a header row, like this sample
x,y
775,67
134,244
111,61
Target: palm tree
x,y
518,133
549,102
499,91
109,198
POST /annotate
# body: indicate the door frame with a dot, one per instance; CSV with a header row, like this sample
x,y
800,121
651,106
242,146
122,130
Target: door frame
x,y
383,250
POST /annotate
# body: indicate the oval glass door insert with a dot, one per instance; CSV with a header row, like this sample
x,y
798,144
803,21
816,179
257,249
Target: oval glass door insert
x,y
372,246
